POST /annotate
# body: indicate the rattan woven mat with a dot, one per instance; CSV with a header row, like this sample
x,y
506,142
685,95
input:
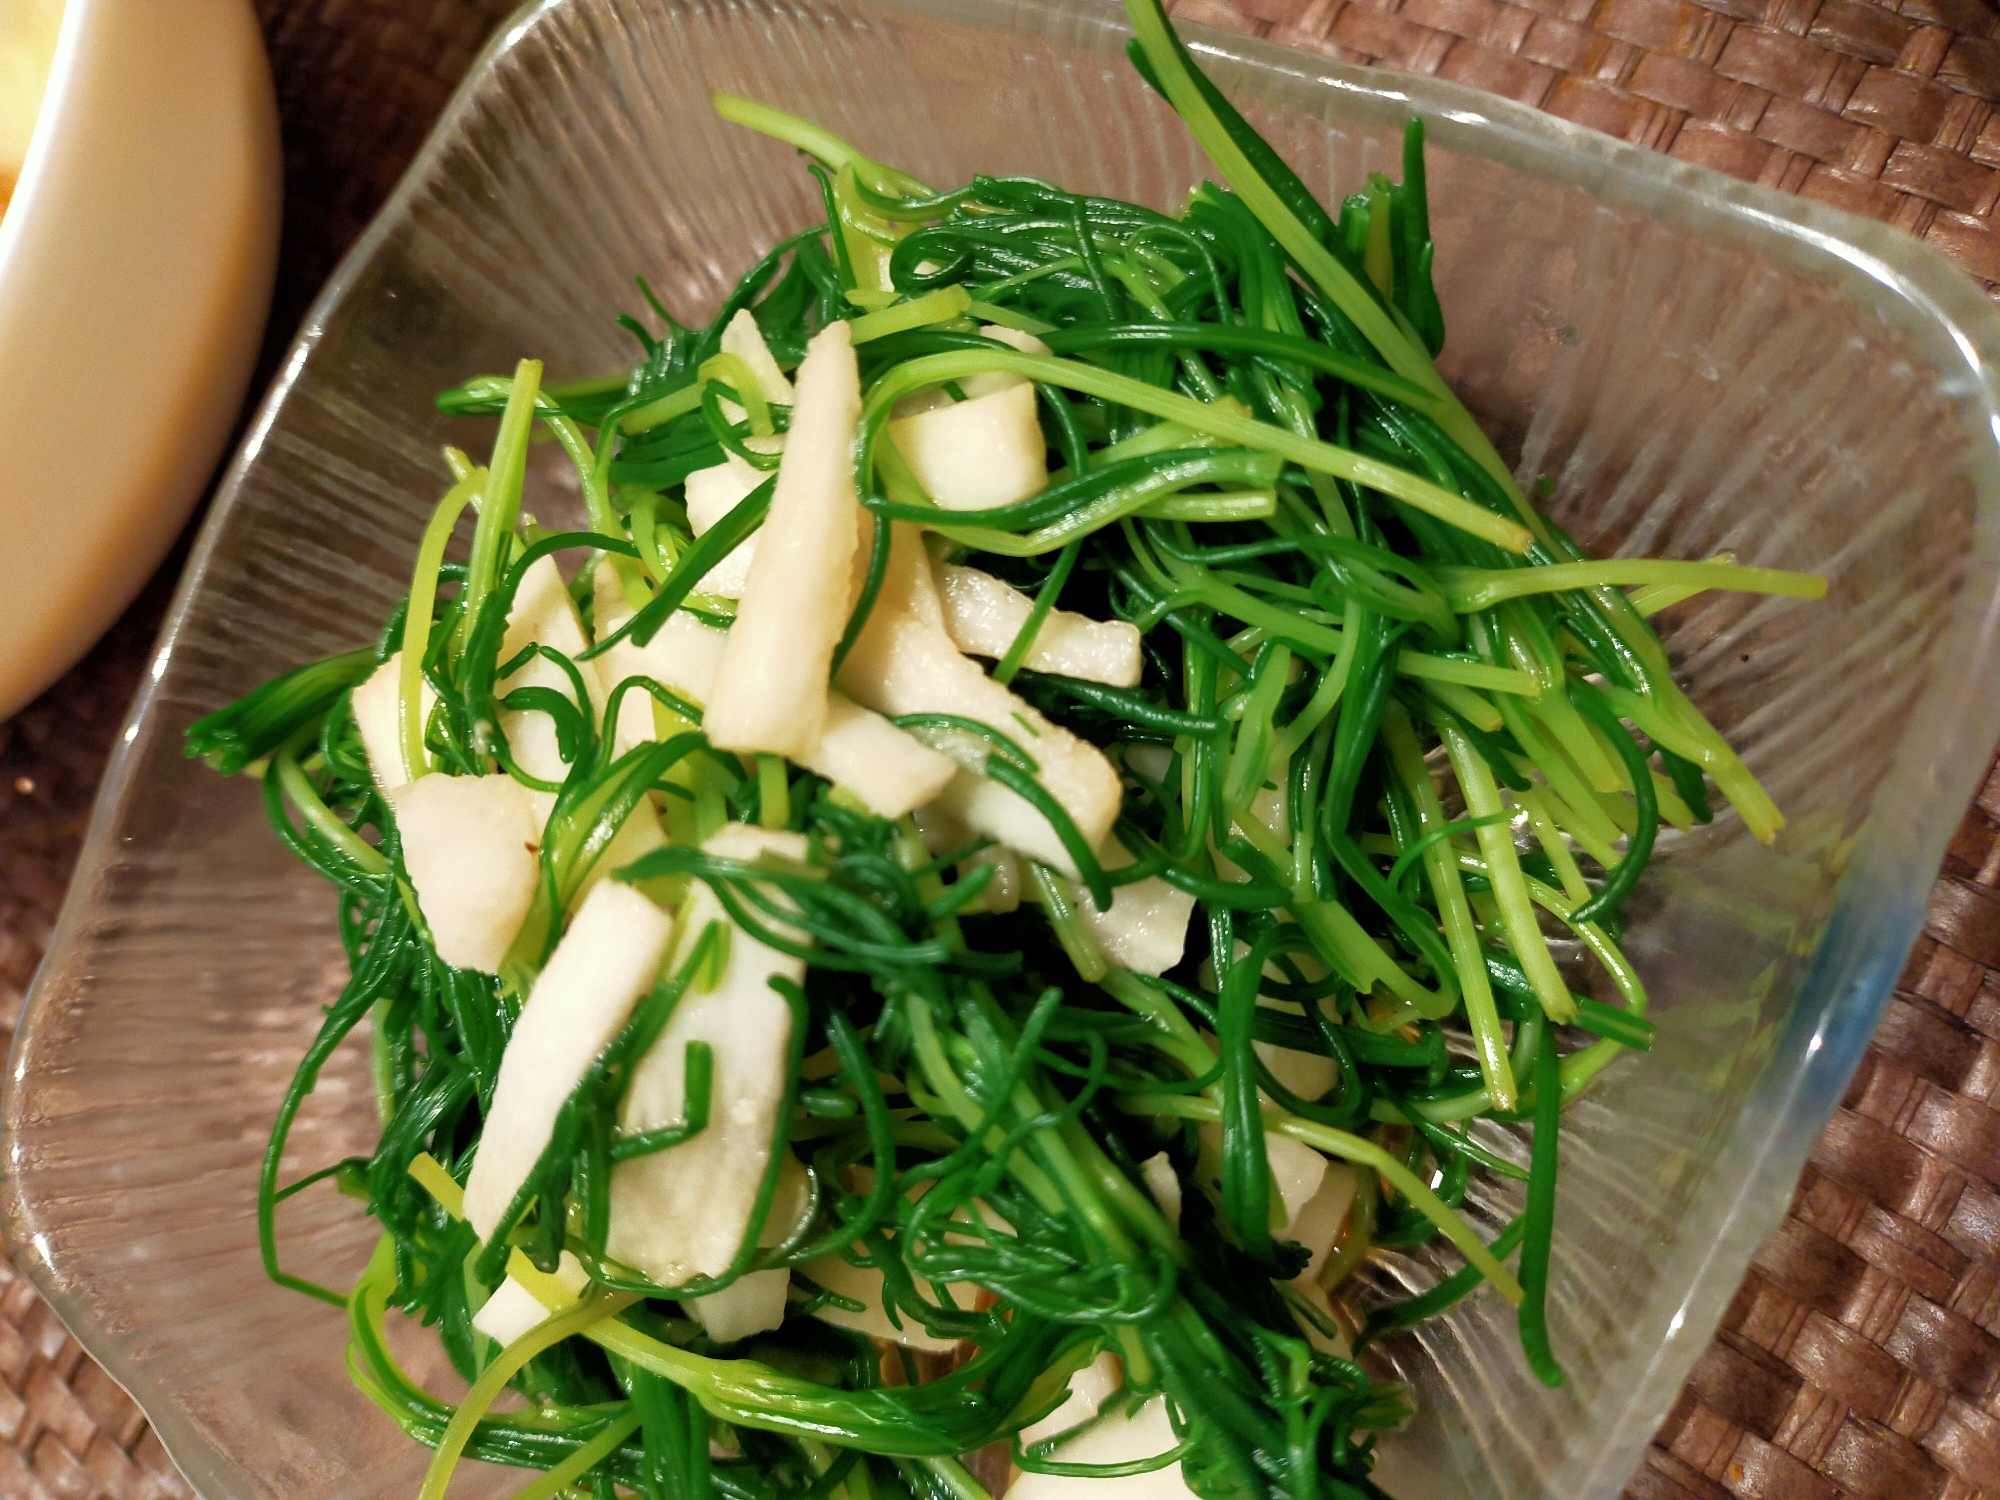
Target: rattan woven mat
x,y
1861,1358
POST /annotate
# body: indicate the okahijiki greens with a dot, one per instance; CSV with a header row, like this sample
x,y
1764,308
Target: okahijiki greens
x,y
1002,862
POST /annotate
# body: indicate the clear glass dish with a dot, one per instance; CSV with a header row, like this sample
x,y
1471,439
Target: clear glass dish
x,y
1695,364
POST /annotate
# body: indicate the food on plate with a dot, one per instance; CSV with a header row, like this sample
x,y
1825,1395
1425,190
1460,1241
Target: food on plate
x,y
27,47
930,937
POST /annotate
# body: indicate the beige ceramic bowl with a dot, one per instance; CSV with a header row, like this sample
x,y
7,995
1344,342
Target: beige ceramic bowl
x,y
135,272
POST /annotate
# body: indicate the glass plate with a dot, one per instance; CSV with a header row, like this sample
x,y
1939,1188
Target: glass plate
x,y
1696,365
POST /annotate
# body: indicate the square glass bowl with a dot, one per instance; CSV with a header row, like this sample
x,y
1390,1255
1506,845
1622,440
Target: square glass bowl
x,y
1695,365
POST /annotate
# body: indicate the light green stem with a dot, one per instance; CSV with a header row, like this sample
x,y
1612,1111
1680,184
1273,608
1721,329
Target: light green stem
x,y
1534,802
1472,589
1594,829
817,142
1332,683
563,1475
1510,889
505,1367
1403,355
1202,416
417,621
940,306
1668,719
298,789
1178,1038
1454,912
1472,674
1059,904
1583,746
590,474
732,371
500,501
662,410
1352,1148
1469,705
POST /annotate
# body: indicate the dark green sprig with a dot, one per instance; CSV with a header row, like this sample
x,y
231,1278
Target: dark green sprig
x,y
985,1083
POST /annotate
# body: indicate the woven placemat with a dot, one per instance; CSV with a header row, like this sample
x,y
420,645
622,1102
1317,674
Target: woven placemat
x,y
1861,1359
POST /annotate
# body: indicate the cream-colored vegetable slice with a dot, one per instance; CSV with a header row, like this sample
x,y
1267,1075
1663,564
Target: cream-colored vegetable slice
x,y
374,704
1270,808
1013,338
1001,814
743,338
609,608
864,1285
1157,1172
713,493
640,833
1296,1173
755,1303
638,836
608,959
943,833
890,770
905,663
983,615
509,1313
469,844
1121,1437
1089,1389
770,695
1146,928
1307,1074
513,1310
682,1212
1321,1216
936,397
543,615
977,454
1317,1228
1007,887
684,655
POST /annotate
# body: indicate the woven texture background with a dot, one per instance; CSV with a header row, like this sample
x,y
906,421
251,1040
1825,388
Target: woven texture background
x,y
1882,109
1861,1359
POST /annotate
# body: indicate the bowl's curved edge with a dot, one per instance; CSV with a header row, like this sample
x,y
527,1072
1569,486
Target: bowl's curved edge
x,y
1826,1052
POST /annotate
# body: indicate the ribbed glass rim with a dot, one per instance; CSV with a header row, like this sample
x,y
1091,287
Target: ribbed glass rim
x,y
1880,904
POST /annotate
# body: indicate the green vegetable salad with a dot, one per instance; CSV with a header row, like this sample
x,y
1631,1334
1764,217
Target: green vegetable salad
x,y
926,945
